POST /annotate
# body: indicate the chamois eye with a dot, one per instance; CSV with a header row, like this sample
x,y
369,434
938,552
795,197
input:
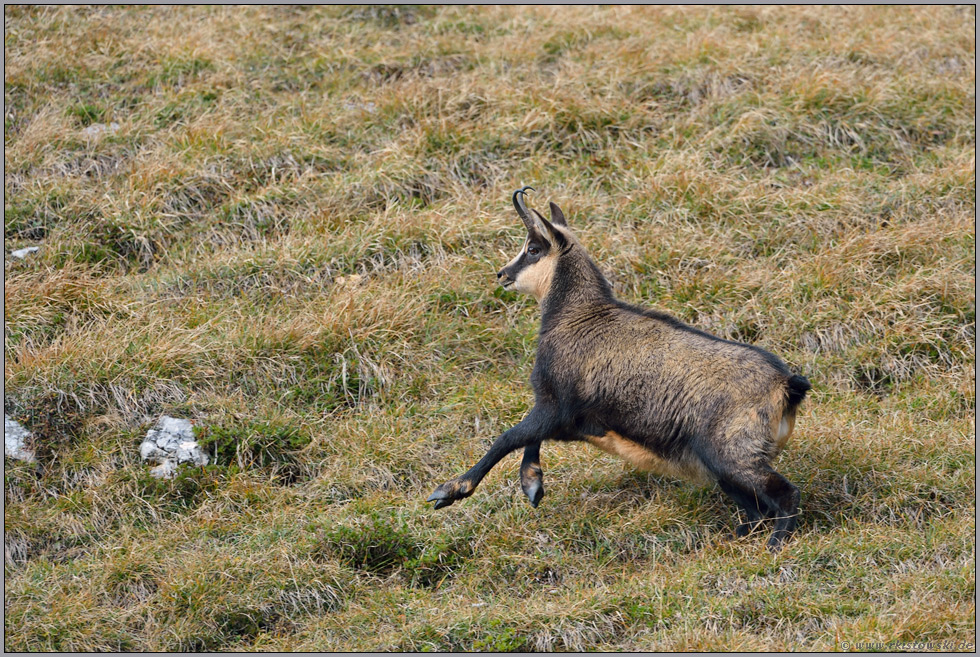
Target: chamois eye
x,y
533,250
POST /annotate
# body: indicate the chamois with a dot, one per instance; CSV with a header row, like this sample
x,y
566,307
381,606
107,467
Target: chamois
x,y
640,384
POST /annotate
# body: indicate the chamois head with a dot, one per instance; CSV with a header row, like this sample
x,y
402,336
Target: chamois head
x,y
534,267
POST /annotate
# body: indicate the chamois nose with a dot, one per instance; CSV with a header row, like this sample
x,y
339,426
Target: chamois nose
x,y
500,274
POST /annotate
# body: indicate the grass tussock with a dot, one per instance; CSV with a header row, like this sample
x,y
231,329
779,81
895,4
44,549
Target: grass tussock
x,y
284,223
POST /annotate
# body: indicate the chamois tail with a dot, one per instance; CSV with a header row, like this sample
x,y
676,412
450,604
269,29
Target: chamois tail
x,y
796,389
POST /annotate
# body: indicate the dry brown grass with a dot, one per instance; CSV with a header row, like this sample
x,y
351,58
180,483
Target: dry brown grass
x,y
292,237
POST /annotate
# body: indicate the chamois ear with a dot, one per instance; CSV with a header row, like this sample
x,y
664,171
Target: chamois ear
x,y
552,235
557,216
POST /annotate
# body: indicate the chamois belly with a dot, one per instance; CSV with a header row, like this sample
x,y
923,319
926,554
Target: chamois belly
x,y
686,466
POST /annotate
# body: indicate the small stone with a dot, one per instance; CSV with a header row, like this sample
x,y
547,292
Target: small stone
x,y
163,440
165,470
149,451
97,129
190,452
169,443
368,107
176,426
20,254
15,439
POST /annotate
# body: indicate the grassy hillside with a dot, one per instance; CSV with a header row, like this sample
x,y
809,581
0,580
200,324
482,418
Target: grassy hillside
x,y
291,235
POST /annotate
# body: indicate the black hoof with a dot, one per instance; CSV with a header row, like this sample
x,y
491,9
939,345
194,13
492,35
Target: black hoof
x,y
441,498
777,540
534,492
449,492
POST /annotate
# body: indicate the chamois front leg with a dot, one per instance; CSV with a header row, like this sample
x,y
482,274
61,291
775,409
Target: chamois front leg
x,y
539,425
532,476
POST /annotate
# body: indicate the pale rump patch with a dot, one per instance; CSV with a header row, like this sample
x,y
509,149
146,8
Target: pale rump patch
x,y
780,424
689,467
786,425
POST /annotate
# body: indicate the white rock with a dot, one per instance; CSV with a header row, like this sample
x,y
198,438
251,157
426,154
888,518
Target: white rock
x,y
176,426
15,439
26,251
190,452
170,443
165,470
150,452
368,107
97,129
163,440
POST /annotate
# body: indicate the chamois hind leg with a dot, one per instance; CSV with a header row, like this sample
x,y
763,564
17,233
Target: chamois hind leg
x,y
532,476
775,496
744,474
755,510
762,491
786,499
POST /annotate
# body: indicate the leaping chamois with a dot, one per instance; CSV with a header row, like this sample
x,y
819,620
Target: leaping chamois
x,y
640,384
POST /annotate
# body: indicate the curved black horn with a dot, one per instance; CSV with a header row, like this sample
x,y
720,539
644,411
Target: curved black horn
x,y
521,207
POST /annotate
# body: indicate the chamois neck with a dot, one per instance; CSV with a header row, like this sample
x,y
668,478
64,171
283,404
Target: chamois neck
x,y
577,282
